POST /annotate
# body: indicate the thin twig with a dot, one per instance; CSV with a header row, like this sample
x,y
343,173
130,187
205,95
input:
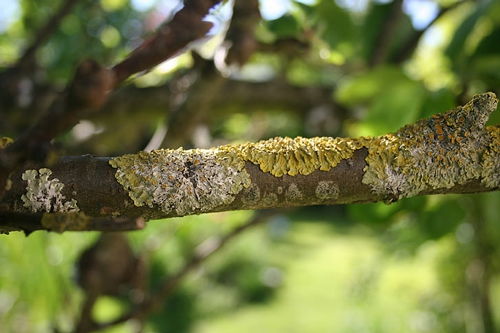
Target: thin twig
x,y
202,253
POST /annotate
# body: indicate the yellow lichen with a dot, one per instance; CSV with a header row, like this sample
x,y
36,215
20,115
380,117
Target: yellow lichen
x,y
286,156
5,141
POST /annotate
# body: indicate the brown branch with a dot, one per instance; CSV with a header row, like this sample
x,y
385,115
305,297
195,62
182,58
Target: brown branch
x,y
186,26
92,84
201,254
44,33
447,153
241,32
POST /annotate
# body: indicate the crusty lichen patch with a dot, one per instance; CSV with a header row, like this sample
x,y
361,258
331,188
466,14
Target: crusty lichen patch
x,y
491,159
251,195
181,181
327,190
44,194
293,194
439,152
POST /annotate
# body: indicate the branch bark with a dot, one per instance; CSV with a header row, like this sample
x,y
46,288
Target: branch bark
x,y
447,153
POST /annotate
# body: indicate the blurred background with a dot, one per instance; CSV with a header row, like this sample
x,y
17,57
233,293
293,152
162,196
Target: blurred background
x,y
279,68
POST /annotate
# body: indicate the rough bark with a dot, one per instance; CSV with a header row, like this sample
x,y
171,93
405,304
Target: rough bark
x,y
447,153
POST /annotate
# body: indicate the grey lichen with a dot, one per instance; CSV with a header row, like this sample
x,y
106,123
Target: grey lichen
x,y
269,199
251,195
327,190
293,194
439,152
44,194
491,159
181,181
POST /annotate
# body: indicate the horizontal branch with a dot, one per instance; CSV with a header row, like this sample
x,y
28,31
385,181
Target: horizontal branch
x,y
447,153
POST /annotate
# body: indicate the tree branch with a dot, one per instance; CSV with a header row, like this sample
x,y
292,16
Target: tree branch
x,y
241,32
186,26
447,153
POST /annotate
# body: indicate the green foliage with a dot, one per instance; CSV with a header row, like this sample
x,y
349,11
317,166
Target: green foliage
x,y
378,15
336,26
403,267
285,26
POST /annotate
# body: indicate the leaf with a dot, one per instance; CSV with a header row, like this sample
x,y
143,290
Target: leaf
x,y
489,45
336,26
441,220
436,102
374,22
391,110
373,213
285,26
364,87
455,50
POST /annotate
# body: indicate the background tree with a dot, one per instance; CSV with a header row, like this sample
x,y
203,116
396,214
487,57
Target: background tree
x,y
288,68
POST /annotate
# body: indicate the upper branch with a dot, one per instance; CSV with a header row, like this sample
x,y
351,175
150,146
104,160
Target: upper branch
x,y
448,153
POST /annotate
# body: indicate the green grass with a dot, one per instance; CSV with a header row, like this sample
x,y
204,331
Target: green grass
x,y
341,283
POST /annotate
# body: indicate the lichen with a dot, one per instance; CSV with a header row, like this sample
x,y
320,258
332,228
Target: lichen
x,y
293,194
74,221
181,181
286,156
491,159
251,195
44,194
439,152
269,199
5,141
327,190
